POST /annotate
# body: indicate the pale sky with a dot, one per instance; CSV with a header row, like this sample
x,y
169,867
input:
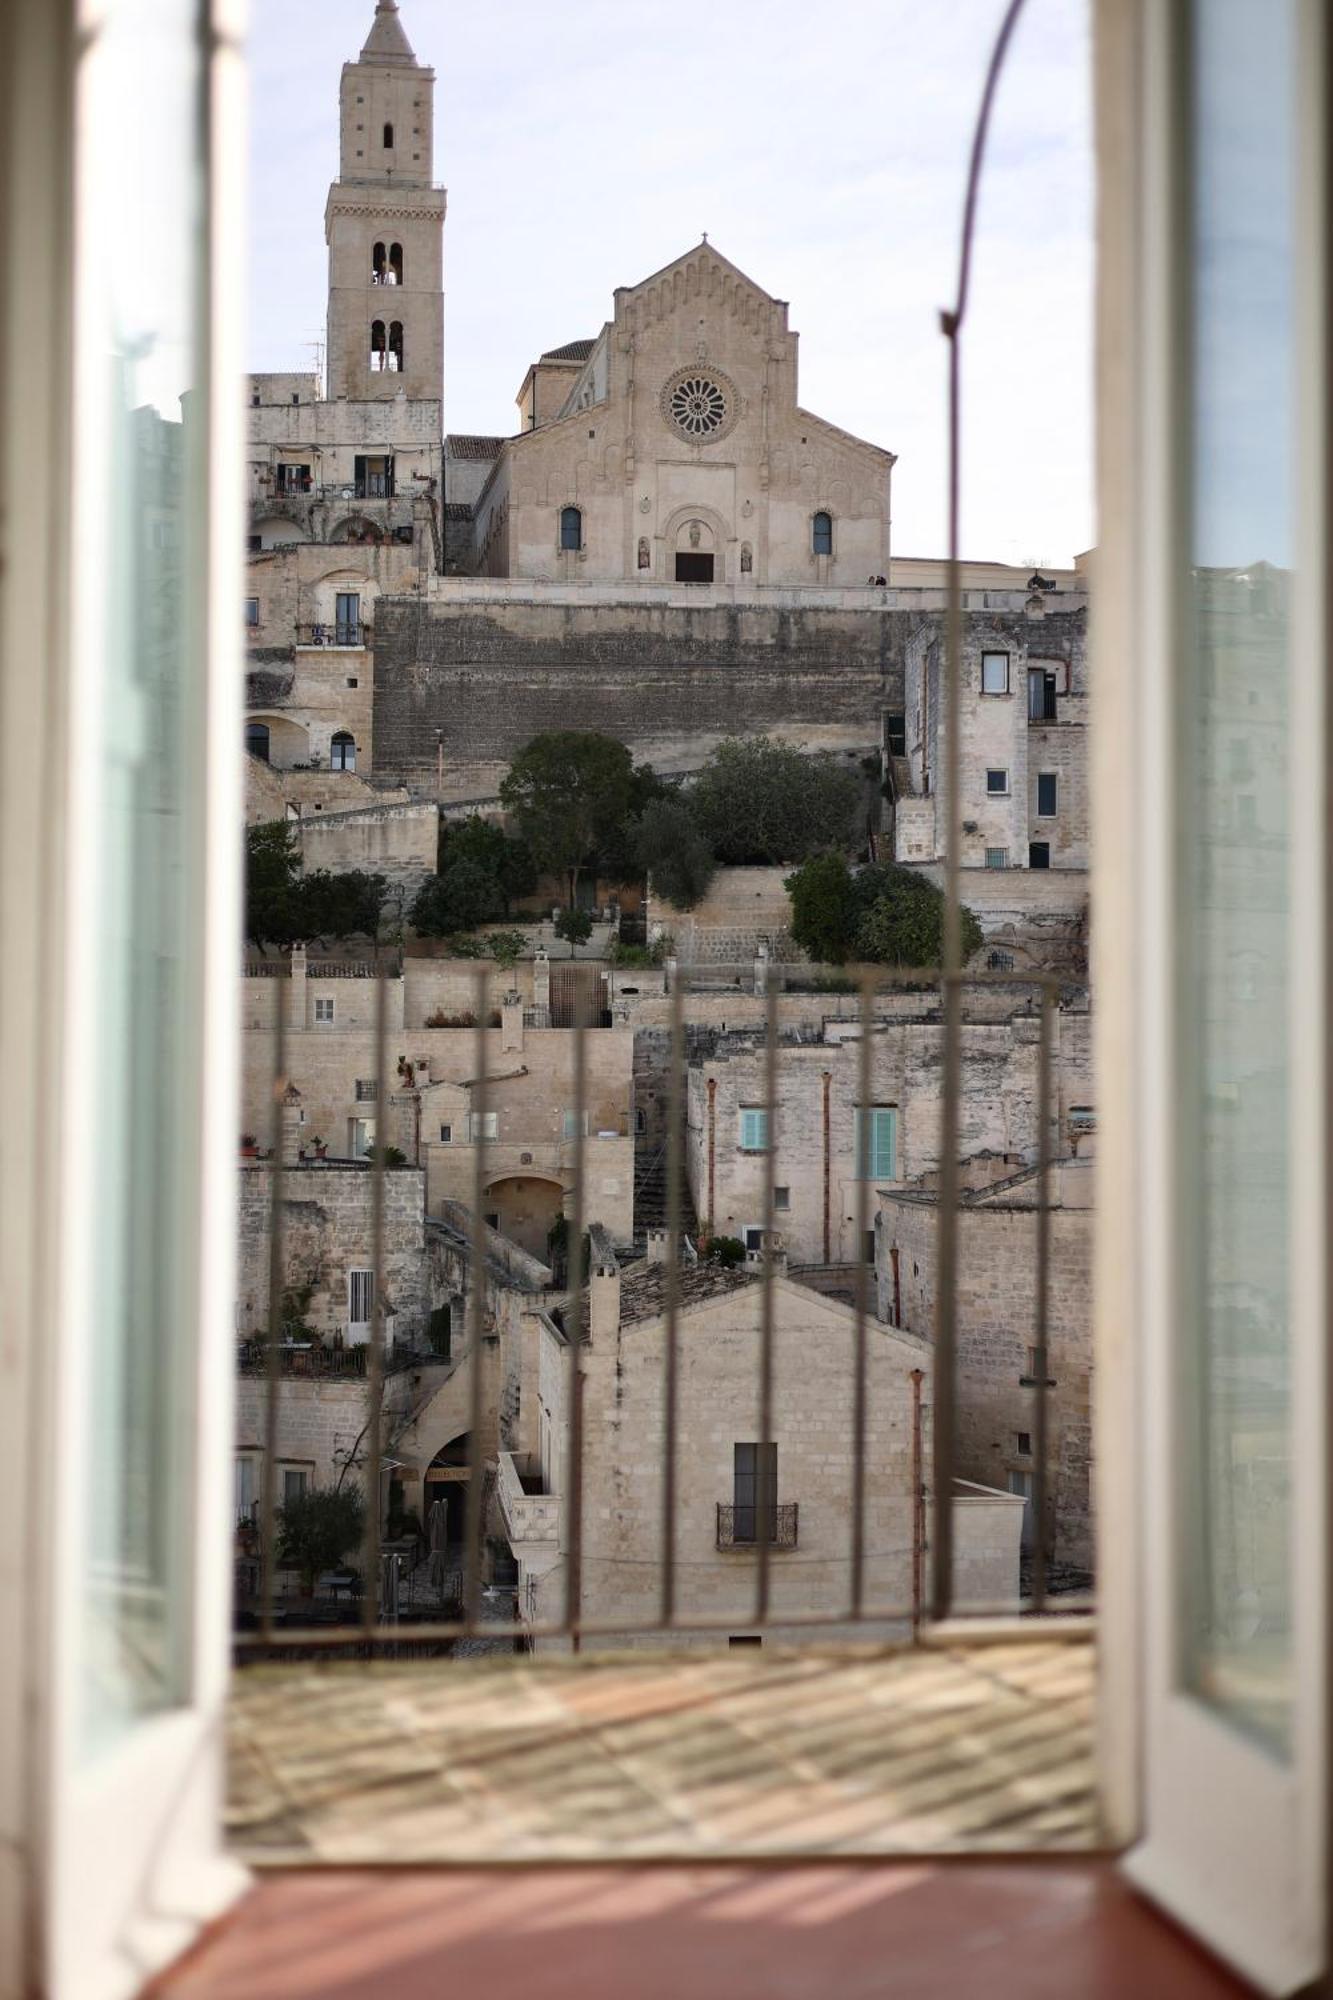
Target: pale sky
x,y
822,146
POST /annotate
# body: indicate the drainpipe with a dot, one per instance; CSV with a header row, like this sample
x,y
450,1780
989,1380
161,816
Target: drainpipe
x,y
712,1151
918,1506
828,1170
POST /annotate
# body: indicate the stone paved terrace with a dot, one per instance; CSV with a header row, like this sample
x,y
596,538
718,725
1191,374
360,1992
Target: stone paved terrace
x,y
969,1747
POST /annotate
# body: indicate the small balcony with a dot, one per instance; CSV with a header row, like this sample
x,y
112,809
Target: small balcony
x,y
353,637
531,1514
742,1527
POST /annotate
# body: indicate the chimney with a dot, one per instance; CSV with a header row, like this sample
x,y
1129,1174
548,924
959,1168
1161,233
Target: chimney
x,y
603,1288
296,1014
541,985
658,1239
291,1126
511,1021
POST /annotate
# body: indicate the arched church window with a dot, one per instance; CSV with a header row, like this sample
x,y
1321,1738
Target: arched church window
x,y
821,534
571,528
388,138
256,740
378,262
396,264
396,358
342,751
378,353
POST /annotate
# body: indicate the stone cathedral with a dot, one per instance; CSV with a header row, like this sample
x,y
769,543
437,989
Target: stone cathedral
x,y
669,547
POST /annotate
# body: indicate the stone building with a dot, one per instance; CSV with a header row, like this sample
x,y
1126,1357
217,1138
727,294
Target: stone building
x,y
347,484
825,1137
718,1490
527,1139
996,1306
672,448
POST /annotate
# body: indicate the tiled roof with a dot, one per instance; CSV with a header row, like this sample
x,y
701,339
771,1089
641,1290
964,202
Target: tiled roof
x,y
457,510
643,1292
460,445
573,350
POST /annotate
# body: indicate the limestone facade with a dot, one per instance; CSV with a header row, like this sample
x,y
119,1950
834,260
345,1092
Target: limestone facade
x,y
818,1085
327,1236
680,451
528,1144
997,1267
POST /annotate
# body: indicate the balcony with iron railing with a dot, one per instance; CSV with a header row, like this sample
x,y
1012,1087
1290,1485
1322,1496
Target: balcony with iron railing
x,y
745,1526
352,634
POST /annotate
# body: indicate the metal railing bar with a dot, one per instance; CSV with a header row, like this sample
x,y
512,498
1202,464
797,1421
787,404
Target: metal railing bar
x,y
1040,1425
578,1279
273,1370
946,1303
766,1499
671,1355
478,1100
862,1140
375,1390
323,1636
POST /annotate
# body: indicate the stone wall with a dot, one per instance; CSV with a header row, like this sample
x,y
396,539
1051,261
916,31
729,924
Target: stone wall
x,y
996,1311
744,909
327,1232
671,680
396,841
818,1089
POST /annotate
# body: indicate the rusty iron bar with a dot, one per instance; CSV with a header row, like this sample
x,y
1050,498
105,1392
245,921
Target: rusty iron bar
x,y
375,1393
862,1124
946,1301
478,1107
282,990
671,1299
578,1278
1040,1426
764,1477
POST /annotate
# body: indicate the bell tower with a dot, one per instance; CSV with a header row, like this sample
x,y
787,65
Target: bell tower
x,y
384,225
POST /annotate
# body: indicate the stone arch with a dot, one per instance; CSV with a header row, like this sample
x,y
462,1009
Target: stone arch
x,y
674,535
288,740
526,1202
357,528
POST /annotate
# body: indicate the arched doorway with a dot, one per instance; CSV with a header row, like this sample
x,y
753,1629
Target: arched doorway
x,y
342,751
525,1208
695,551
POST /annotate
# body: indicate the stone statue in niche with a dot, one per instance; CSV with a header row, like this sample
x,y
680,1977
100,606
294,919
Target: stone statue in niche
x,y
645,559
696,534
747,559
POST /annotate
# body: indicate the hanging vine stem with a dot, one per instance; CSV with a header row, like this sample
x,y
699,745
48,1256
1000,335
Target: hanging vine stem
x,y
946,1310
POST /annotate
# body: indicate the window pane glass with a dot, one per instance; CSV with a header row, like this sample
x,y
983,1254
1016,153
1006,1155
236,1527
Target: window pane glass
x,y
139,454
1235,1454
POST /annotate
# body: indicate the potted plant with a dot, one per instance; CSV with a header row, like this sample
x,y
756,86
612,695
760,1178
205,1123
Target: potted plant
x,y
320,1149
249,1146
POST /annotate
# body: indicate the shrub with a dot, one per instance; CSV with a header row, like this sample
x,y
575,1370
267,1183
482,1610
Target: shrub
x,y
882,915
574,926
759,801
316,1530
729,1251
674,852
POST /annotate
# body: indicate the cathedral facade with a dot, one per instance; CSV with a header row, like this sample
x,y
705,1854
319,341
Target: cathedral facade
x,y
678,452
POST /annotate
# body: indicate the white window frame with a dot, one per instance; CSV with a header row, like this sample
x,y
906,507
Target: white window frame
x,y
866,1168
997,857
988,658
324,1010
1054,777
360,1292
1000,791
752,1128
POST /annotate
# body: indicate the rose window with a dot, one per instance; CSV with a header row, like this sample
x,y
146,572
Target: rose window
x,y
697,406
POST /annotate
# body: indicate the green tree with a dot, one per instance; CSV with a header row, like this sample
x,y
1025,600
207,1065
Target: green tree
x,y
760,801
318,1528
673,852
506,948
505,859
272,867
574,926
464,895
338,906
823,908
884,915
570,793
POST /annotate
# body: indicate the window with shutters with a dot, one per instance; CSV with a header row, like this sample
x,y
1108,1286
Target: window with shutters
x,y
753,1128
360,1297
754,1484
877,1142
